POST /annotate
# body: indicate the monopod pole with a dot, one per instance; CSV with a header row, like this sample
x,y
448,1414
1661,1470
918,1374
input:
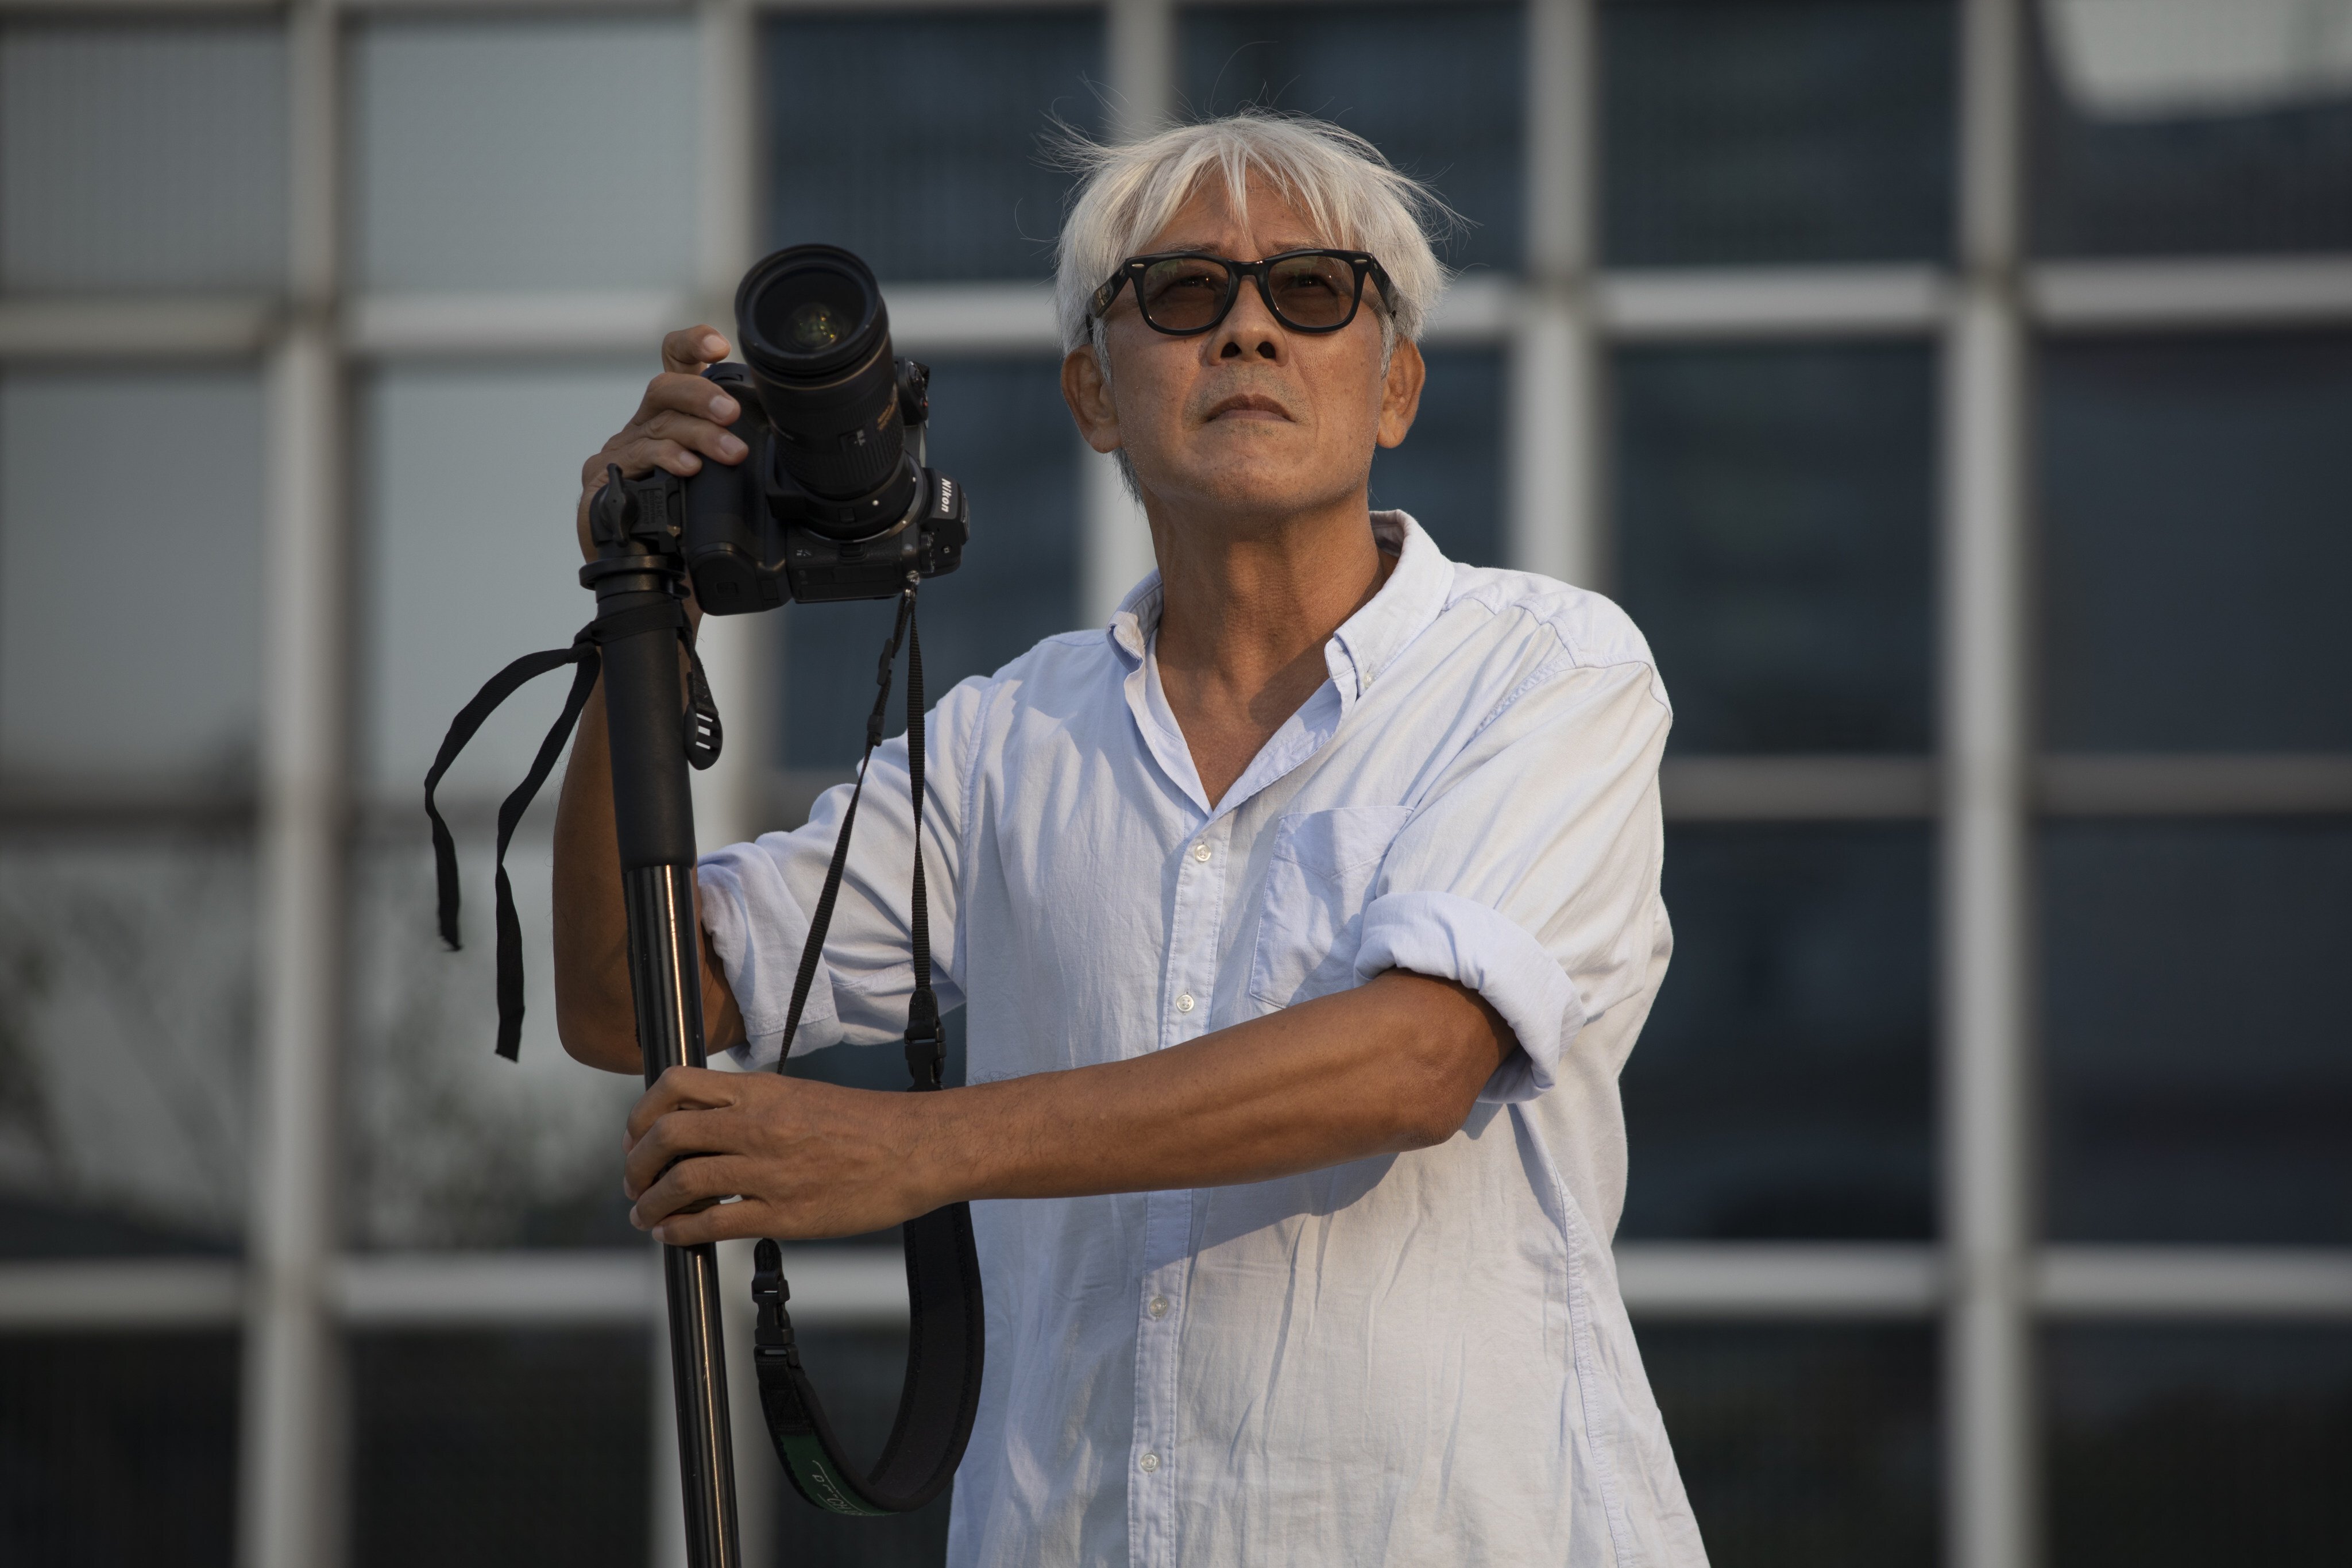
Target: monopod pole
x,y
653,810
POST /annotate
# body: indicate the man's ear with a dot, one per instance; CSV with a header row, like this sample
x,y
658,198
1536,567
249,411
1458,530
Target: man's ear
x,y
1401,392
1087,392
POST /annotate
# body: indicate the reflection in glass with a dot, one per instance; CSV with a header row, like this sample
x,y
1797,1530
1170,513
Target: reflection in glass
x,y
2199,1064
1438,88
920,141
1812,1443
1449,472
143,157
2194,549
1788,132
525,153
1000,427
130,577
486,1448
119,1448
1775,513
126,1031
450,1146
2175,1446
469,558
1780,1090
2126,162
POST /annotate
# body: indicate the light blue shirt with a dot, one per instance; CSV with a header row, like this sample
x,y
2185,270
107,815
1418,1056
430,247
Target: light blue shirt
x,y
1416,1359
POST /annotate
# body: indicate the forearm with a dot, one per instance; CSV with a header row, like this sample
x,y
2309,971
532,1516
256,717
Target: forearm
x,y
1392,1064
594,1012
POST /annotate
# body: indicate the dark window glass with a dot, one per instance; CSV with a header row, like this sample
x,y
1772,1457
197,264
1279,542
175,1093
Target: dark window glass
x,y
2125,178
126,1033
503,1447
1449,472
857,1372
1000,427
1781,1089
2179,1446
1808,130
117,1449
1810,1445
918,141
2199,1058
2195,550
1439,88
1775,513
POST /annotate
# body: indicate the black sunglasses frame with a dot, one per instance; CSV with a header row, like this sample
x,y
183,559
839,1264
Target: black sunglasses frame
x,y
1134,267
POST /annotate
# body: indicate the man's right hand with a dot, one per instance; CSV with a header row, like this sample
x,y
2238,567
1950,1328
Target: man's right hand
x,y
682,420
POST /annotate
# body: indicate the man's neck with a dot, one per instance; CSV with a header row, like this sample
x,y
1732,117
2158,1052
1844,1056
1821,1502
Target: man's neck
x,y
1245,615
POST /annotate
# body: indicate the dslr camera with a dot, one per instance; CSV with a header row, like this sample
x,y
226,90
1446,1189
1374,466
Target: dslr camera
x,y
833,500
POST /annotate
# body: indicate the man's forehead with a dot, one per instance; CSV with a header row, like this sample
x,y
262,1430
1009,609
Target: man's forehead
x,y
1207,222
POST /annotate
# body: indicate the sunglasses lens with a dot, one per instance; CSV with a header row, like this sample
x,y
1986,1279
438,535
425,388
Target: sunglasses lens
x,y
1183,293
1313,292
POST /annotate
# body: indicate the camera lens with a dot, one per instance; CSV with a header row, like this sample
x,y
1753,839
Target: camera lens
x,y
817,341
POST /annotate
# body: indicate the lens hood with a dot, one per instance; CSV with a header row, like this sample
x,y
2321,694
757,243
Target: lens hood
x,y
809,312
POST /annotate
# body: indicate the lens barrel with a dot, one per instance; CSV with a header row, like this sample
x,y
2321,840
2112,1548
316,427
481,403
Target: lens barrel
x,y
816,339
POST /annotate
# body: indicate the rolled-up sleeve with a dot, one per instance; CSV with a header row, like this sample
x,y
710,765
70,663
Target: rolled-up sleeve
x,y
757,898
1529,872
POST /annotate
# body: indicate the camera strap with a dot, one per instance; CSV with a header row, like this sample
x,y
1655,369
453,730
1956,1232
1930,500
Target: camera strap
x,y
947,1324
703,739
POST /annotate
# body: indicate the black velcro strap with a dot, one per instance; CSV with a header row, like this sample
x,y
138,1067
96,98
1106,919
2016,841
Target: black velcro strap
x,y
667,616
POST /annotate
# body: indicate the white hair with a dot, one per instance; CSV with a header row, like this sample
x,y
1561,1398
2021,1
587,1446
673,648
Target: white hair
x,y
1348,193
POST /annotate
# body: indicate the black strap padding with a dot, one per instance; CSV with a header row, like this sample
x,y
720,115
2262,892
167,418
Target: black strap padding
x,y
702,742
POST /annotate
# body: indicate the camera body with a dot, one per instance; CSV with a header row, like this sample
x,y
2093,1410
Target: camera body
x,y
833,500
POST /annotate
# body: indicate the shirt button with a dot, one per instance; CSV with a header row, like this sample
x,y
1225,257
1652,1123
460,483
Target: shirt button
x,y
1184,1003
1149,1463
1199,851
1158,1307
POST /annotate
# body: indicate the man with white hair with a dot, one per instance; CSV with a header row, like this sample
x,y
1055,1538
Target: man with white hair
x,y
1302,918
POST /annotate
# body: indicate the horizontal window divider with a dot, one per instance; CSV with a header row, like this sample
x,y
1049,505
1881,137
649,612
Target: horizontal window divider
x,y
466,325
2237,291
2193,785
1797,789
1752,1279
137,327
120,1294
1773,302
2093,1281
1481,308
832,1285
972,318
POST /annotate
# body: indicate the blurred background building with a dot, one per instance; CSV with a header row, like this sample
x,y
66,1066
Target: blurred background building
x,y
1958,392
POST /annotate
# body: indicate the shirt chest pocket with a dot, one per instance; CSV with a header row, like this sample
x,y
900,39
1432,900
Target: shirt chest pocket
x,y
1311,918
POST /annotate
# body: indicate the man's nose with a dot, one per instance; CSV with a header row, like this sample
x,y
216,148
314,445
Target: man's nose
x,y
1249,331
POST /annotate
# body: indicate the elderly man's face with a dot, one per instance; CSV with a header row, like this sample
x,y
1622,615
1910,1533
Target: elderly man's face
x,y
1249,422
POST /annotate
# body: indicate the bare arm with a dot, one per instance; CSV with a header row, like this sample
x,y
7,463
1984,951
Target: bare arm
x,y
681,420
1394,1064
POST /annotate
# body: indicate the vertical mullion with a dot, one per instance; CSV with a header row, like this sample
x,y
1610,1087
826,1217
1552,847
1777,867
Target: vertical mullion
x,y
1990,1466
291,1475
1554,439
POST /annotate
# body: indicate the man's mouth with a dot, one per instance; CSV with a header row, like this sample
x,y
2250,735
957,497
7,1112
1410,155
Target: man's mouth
x,y
1248,405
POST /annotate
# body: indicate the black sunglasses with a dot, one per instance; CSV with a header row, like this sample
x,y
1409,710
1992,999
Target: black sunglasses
x,y
1187,292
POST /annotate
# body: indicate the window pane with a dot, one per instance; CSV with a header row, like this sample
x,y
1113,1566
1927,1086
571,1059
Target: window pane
x,y
449,1146
126,1028
1449,472
2177,1447
919,142
130,577
1781,1089
469,555
143,157
1000,426
495,1449
2194,546
1775,512
1441,90
2171,129
1795,130
2199,1061
1812,1443
117,1449
858,1373
525,155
